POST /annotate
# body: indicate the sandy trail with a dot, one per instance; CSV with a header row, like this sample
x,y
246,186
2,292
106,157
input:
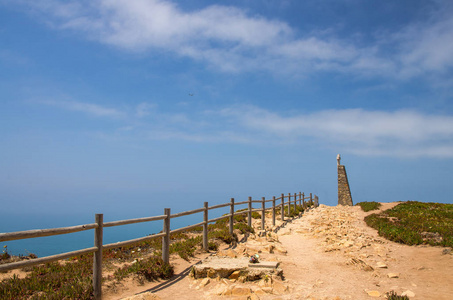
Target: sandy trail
x,y
331,254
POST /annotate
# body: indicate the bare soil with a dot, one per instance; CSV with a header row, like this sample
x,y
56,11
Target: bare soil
x,y
319,265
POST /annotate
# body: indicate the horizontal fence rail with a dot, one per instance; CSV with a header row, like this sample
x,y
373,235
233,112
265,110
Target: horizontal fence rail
x,y
293,200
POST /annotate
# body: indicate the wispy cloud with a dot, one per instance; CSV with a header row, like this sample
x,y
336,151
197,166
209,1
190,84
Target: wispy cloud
x,y
85,107
402,133
231,40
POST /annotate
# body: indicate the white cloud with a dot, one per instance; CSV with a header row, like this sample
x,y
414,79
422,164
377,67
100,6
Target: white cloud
x,y
399,133
88,108
232,40
426,47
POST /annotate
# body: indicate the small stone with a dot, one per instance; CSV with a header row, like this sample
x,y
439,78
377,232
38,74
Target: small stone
x,y
240,291
373,293
205,282
259,292
446,251
253,297
280,250
381,265
279,288
408,293
234,275
393,275
348,244
211,273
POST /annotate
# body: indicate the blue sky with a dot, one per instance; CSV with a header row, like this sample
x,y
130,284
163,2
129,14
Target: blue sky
x,y
125,107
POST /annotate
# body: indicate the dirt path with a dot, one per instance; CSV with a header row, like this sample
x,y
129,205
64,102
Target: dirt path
x,y
331,254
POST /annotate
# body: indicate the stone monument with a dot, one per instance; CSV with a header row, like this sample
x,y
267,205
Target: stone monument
x,y
344,191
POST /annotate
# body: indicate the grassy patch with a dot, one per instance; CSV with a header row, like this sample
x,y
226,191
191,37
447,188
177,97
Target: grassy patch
x,y
150,269
186,248
369,206
394,296
415,223
71,280
244,228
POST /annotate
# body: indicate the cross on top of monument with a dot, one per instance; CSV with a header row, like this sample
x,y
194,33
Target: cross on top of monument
x,y
338,159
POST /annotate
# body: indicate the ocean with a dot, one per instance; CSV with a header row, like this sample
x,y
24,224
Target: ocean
x,y
45,246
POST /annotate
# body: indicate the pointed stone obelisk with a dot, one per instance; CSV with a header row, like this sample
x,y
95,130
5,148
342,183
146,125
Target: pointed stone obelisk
x,y
344,192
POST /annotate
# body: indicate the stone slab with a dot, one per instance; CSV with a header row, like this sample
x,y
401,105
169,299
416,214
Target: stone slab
x,y
225,267
265,264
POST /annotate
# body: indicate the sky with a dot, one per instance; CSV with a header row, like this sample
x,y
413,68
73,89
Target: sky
x,y
126,107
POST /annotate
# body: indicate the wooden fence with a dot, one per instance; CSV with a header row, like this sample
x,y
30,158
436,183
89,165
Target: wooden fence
x,y
292,201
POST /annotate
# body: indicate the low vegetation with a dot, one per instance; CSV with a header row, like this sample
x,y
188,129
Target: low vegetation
x,y
72,278
394,296
369,206
415,223
151,268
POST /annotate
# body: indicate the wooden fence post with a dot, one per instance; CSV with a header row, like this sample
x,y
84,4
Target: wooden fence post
x,y
263,211
231,216
97,258
289,204
273,211
166,237
205,227
295,203
311,199
300,199
303,201
283,207
249,214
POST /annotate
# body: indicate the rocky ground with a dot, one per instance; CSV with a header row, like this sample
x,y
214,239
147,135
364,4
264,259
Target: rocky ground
x,y
329,253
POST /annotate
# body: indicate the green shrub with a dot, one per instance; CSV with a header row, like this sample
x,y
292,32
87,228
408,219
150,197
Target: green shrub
x,y
71,280
186,248
150,269
409,222
243,228
223,235
394,296
369,206
213,246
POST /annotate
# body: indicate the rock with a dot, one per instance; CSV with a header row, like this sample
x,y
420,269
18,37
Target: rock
x,y
381,265
446,251
264,264
235,275
204,282
408,293
373,293
253,297
265,282
211,273
279,288
348,244
360,264
393,275
143,296
219,267
240,291
280,250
